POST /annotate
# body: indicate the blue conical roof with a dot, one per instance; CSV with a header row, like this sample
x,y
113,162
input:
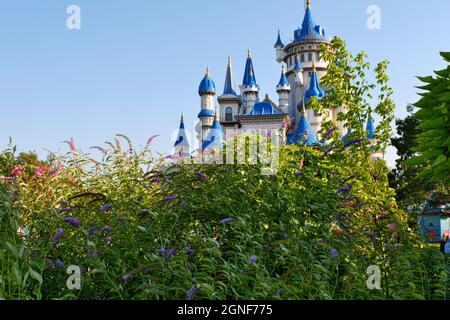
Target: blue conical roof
x,y
214,140
229,84
182,143
279,43
207,85
314,87
310,31
249,73
370,129
304,133
284,83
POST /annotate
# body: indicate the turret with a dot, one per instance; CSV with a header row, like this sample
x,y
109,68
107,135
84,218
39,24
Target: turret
x,y
305,132
249,88
182,147
229,102
370,129
207,92
279,46
283,89
214,139
298,72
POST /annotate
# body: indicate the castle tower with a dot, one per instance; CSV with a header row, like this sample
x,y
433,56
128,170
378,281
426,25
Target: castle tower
x,y
214,139
229,101
249,88
279,48
182,147
303,51
314,90
207,92
283,89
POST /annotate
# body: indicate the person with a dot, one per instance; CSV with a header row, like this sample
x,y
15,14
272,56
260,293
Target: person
x,y
445,244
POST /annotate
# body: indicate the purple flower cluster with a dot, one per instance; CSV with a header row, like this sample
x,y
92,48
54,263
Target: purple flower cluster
x,y
253,259
155,180
59,233
192,292
334,253
201,176
329,133
350,143
190,251
226,221
170,198
59,264
73,222
105,208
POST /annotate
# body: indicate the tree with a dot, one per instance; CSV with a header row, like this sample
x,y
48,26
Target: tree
x,y
410,190
433,140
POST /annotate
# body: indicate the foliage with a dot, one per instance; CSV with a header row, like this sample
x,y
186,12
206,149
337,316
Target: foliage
x,y
433,141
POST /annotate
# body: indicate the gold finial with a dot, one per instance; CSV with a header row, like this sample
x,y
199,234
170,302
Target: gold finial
x,y
303,110
314,65
182,116
229,60
249,54
308,4
207,71
282,67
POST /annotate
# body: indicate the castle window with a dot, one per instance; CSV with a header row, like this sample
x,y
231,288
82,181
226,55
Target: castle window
x,y
310,57
229,114
302,59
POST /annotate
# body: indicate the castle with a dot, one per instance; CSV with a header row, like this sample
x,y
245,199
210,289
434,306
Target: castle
x,y
301,71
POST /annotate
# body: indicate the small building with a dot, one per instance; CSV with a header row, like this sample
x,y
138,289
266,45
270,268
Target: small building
x,y
434,220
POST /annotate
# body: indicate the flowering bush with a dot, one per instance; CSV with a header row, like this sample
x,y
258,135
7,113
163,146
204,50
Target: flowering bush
x,y
141,228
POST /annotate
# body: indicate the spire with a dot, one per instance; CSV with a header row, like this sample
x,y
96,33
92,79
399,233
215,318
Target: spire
x,y
314,87
182,121
182,147
249,75
229,83
310,31
207,85
370,128
279,44
283,84
304,133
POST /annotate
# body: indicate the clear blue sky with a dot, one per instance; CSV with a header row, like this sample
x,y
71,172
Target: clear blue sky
x,y
136,64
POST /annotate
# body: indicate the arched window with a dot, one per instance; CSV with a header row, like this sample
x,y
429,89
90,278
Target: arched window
x,y
302,59
310,57
229,114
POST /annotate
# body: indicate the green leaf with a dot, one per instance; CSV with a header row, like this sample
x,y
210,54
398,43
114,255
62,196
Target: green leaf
x,y
441,159
36,276
446,56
